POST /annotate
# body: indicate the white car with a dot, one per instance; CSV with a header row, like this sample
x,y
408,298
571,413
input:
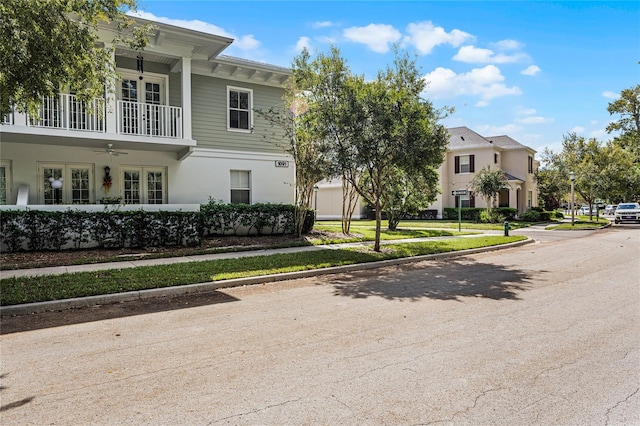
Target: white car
x,y
627,212
610,209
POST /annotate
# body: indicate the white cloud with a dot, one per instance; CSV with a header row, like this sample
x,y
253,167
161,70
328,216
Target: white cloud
x,y
507,129
302,43
322,24
487,82
534,120
245,42
525,111
577,130
376,37
531,70
425,36
599,134
611,95
472,54
507,45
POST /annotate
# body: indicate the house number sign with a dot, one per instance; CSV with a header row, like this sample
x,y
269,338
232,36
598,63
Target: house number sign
x,y
282,163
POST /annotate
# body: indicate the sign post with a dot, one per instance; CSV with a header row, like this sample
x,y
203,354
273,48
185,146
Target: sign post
x,y
458,193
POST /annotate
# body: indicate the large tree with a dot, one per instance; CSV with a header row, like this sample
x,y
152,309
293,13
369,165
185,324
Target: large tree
x,y
48,45
375,127
294,130
628,125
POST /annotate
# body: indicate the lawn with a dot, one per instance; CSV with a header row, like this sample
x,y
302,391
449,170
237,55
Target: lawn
x,y
54,287
580,223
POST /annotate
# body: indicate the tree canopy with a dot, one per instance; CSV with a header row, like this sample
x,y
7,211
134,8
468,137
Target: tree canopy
x,y
628,108
47,45
489,183
375,128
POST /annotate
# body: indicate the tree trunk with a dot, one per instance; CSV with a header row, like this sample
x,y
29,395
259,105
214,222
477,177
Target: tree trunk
x,y
376,245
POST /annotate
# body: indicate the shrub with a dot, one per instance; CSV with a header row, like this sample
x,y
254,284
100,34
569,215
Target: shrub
x,y
493,217
530,216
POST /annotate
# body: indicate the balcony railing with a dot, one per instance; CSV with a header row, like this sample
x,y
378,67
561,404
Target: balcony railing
x,y
135,118
67,112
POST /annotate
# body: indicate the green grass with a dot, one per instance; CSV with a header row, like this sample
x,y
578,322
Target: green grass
x,y
367,233
580,222
423,224
54,287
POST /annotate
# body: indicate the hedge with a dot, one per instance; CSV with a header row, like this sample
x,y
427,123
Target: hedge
x,y
35,230
473,213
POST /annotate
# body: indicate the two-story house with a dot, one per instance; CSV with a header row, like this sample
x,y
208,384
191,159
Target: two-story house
x,y
467,153
178,128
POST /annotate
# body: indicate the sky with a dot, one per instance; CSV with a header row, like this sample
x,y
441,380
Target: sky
x,y
533,70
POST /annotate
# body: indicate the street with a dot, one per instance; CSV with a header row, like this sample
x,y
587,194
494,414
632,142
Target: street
x,y
545,334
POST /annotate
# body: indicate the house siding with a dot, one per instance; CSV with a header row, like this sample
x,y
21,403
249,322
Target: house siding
x,y
209,103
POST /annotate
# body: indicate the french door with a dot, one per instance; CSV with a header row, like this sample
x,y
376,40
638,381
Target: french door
x,y
65,183
141,102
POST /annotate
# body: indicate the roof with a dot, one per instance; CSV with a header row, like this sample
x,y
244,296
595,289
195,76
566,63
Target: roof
x,y
506,142
512,177
464,137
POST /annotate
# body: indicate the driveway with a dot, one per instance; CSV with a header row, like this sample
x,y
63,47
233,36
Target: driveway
x,y
548,334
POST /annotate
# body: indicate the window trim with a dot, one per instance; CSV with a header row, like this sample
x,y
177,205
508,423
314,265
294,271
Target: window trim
x,y
8,174
67,190
143,190
250,110
232,188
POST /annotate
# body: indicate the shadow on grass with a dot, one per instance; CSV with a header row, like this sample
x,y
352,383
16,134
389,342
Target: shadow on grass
x,y
443,280
19,323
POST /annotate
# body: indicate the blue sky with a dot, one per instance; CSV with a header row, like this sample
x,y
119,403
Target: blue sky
x,y
535,71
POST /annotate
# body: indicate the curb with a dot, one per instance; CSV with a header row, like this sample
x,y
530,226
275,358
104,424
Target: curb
x,y
81,302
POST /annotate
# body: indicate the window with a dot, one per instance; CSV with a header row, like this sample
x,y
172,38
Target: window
x,y
530,164
464,164
495,158
530,199
467,201
143,185
240,103
240,188
5,182
65,183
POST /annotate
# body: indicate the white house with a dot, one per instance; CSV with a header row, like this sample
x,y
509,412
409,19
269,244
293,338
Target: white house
x,y
176,132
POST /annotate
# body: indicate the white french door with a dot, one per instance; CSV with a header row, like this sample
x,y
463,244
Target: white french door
x,y
65,183
141,104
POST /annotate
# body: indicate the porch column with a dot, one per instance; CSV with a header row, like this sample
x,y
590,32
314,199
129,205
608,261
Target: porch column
x,y
186,98
111,114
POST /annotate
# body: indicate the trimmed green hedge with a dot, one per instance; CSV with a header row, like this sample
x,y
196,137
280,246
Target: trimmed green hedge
x,y
473,213
36,230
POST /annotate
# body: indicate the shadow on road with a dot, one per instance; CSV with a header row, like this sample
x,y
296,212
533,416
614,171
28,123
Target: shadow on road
x,y
452,279
18,323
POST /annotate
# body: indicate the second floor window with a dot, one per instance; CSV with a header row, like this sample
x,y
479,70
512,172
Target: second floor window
x,y
240,106
530,164
464,164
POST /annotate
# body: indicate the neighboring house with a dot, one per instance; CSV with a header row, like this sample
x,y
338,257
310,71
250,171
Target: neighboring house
x,y
467,153
179,131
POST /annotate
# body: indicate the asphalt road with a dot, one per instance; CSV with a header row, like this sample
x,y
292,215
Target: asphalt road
x,y
544,334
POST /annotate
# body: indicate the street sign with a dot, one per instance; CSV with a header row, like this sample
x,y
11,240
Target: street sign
x,y
460,192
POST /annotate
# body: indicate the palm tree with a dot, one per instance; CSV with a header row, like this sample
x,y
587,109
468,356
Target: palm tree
x,y
489,183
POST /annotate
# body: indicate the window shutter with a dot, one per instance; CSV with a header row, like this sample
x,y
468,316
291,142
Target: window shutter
x,y
457,165
457,201
472,168
472,199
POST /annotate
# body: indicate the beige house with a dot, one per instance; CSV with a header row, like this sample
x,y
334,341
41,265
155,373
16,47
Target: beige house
x,y
468,153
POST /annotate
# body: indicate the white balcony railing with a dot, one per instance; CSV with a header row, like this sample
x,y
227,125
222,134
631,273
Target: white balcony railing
x,y
135,118
67,112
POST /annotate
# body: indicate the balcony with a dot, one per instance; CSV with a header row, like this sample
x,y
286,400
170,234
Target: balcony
x,y
135,118
67,113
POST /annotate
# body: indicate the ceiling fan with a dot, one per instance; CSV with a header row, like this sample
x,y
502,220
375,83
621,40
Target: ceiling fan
x,y
111,151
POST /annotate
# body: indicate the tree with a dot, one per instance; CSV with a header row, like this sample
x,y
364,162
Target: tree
x,y
298,136
375,127
489,183
551,179
406,193
628,107
47,45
